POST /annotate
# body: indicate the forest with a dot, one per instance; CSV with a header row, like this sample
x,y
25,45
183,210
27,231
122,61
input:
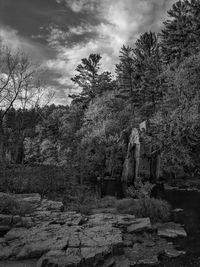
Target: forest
x,y
151,103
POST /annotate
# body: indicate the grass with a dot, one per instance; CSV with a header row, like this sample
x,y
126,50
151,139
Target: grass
x,y
157,210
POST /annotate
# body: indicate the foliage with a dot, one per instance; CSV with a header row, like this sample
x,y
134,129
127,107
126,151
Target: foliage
x,y
180,36
156,210
157,81
12,205
45,180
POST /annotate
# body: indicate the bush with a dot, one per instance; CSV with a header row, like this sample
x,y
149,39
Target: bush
x,y
107,202
80,198
11,205
156,210
42,179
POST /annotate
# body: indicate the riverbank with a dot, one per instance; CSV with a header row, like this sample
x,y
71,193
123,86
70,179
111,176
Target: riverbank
x,y
53,237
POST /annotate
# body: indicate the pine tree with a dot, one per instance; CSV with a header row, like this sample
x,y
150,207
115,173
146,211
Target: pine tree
x,y
87,78
125,79
147,72
138,74
180,37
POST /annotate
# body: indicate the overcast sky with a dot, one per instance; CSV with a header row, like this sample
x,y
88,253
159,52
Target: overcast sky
x,y
58,33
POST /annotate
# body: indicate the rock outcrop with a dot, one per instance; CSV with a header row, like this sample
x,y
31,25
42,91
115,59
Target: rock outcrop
x,y
58,238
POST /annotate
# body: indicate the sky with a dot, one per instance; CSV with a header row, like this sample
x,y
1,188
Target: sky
x,y
59,33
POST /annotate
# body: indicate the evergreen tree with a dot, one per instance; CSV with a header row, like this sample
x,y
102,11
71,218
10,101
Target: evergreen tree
x,y
180,37
87,78
147,72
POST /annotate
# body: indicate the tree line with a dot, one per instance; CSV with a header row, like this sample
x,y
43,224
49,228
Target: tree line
x,y
156,80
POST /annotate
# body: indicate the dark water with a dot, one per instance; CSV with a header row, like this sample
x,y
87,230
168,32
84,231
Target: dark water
x,y
189,201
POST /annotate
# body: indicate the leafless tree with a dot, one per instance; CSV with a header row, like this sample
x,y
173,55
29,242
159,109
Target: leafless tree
x,y
20,87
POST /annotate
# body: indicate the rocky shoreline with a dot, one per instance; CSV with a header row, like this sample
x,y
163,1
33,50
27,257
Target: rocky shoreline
x,y
57,238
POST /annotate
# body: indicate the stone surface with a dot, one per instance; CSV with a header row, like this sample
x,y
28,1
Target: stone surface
x,y
171,230
146,251
139,225
51,205
57,238
4,229
5,219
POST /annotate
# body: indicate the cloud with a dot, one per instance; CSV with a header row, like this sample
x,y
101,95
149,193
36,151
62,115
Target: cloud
x,y
11,38
81,5
121,22
103,26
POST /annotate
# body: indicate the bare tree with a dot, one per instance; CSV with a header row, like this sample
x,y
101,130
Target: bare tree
x,y
20,87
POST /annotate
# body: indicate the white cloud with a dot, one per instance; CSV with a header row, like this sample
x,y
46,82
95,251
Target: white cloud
x,y
81,5
122,21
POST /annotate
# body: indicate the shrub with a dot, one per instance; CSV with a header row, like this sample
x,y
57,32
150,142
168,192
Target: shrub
x,y
107,202
156,210
41,179
11,205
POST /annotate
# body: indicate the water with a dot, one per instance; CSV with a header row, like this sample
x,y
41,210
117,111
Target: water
x,y
189,201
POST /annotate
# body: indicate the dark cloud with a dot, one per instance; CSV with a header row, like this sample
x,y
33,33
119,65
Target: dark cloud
x,y
61,32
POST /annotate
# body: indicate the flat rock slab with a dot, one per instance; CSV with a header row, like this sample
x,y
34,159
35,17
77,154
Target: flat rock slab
x,y
113,219
72,243
171,230
139,225
147,251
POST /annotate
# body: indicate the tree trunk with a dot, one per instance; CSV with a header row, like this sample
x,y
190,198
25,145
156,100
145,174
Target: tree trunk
x,y
131,163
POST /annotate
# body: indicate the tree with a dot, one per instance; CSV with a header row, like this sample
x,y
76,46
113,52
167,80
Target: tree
x,y
138,74
175,127
87,78
125,76
19,87
180,36
147,70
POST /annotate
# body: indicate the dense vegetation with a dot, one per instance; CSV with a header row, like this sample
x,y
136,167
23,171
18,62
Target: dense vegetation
x,y
44,148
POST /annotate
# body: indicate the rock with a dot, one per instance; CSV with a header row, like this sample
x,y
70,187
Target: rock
x,y
173,253
75,257
27,222
139,225
4,229
178,215
96,245
151,261
50,205
59,258
118,220
60,238
36,241
33,199
141,256
16,219
122,261
147,249
104,210
171,230
5,219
